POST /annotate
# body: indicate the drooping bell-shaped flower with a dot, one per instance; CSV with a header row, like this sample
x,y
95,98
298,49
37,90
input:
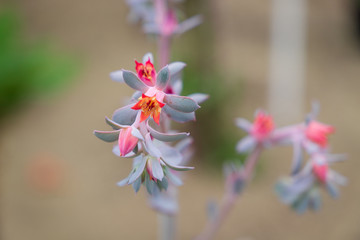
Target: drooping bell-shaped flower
x,y
127,142
320,170
318,132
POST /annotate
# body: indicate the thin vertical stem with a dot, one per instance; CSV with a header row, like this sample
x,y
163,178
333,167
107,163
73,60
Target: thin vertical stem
x,y
164,50
230,198
166,223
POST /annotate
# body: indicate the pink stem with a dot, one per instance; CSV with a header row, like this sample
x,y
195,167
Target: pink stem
x,y
230,198
166,222
164,50
163,39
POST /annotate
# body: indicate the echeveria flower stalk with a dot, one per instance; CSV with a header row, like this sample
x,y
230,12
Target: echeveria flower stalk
x,y
309,137
301,189
154,159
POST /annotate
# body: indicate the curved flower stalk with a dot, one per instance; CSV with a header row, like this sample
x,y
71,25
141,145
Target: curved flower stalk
x,y
134,126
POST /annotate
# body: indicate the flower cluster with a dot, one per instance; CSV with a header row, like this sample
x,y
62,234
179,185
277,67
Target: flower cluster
x,y
301,188
159,19
136,126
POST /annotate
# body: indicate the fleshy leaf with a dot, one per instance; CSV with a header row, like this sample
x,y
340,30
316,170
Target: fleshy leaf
x,y
169,154
136,133
134,82
188,24
199,97
177,116
137,184
113,124
117,76
177,86
124,181
151,28
166,137
150,147
164,203
148,56
181,103
136,95
243,124
163,184
337,178
315,199
150,185
157,169
179,168
184,144
162,78
246,144
107,136
125,115
297,159
332,189
172,177
138,170
301,204
176,67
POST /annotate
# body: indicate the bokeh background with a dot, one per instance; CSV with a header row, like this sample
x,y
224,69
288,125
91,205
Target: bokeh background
x,y
59,182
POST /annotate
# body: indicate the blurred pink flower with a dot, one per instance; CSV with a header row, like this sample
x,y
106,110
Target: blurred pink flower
x,y
262,126
317,132
169,24
320,171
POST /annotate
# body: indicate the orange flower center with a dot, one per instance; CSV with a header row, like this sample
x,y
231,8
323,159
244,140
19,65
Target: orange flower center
x,y
149,106
147,72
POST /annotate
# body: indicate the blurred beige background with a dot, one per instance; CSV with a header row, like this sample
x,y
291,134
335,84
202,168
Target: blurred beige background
x,y
82,200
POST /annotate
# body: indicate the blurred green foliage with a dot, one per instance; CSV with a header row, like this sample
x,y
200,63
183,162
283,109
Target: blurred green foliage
x,y
27,69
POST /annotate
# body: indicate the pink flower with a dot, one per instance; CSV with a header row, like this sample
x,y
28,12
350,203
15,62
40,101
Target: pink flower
x,y
127,142
146,72
262,126
320,171
317,132
169,24
150,104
